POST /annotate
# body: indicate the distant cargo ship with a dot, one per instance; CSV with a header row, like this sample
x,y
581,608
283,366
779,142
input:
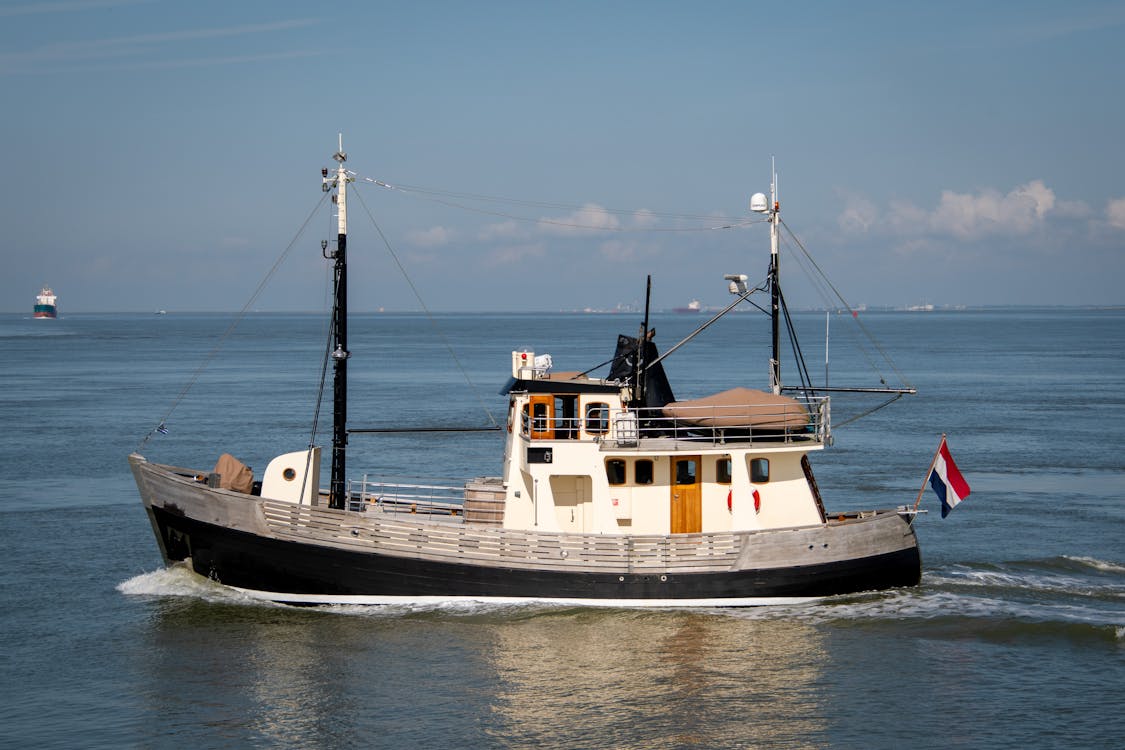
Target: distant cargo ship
x,y
693,307
46,304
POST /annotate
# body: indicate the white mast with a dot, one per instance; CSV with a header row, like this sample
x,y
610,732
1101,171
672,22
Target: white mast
x,y
775,289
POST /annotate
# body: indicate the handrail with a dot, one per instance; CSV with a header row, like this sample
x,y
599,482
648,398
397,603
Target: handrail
x,y
806,421
442,499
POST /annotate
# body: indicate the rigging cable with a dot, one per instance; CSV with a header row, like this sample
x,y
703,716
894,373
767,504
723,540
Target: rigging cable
x,y
433,195
161,427
855,315
798,357
426,310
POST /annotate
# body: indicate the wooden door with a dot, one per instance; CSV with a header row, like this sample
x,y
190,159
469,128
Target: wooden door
x,y
687,505
542,417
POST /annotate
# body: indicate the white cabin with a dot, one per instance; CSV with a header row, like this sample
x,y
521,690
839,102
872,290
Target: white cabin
x,y
579,459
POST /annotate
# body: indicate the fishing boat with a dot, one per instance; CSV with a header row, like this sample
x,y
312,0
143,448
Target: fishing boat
x,y
46,304
612,492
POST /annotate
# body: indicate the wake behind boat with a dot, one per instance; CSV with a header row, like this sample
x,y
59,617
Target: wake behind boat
x,y
612,492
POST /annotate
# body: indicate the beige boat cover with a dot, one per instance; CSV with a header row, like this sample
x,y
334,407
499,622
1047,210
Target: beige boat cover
x,y
740,407
233,474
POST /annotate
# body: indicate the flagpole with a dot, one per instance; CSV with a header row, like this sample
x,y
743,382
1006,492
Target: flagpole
x,y
929,471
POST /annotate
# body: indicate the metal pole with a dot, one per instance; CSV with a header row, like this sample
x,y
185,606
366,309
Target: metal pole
x,y
929,471
775,289
337,490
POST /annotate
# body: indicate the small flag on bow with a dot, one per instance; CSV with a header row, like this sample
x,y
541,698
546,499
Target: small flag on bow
x,y
946,480
162,429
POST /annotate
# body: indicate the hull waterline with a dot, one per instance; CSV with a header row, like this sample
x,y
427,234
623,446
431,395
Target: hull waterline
x,y
309,572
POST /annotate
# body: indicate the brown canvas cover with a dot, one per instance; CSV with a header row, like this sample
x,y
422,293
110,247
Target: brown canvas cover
x,y
234,475
740,407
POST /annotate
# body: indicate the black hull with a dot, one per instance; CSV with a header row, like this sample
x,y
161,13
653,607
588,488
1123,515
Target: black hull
x,y
274,566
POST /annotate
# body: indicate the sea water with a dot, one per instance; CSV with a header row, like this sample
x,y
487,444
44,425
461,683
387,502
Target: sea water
x,y
1015,638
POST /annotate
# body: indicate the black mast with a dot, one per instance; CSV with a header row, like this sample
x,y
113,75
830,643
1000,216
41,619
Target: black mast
x,y
639,379
775,288
337,489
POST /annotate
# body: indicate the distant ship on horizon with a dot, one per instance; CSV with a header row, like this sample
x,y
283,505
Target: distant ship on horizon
x,y
693,307
46,304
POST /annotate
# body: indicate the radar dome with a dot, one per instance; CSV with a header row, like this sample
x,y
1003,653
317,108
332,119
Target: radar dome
x,y
758,203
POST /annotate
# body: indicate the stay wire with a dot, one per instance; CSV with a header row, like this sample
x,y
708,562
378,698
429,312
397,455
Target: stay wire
x,y
526,202
319,402
855,316
426,310
161,426
433,196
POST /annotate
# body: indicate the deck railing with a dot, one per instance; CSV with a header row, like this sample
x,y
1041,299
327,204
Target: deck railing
x,y
807,420
397,495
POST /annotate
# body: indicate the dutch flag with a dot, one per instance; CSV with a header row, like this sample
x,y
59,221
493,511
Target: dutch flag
x,y
946,480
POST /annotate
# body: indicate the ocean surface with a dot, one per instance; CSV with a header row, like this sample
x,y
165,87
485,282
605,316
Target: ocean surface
x,y
1015,639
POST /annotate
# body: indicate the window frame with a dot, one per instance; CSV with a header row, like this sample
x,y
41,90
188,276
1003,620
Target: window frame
x,y
729,469
624,471
595,425
756,474
651,472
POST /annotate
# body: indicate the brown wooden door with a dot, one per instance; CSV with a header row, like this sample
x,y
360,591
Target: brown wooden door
x,y
687,505
542,417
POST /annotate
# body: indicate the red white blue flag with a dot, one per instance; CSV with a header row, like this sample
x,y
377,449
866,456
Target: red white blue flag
x,y
946,480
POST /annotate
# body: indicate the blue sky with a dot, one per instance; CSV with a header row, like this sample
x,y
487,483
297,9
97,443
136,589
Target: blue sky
x,y
164,154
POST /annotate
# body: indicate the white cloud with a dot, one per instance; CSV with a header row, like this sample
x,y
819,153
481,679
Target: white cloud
x,y
989,212
590,216
859,215
1071,210
432,237
962,215
148,50
1115,213
644,218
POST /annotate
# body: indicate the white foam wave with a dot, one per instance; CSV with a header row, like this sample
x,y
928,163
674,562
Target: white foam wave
x,y
929,602
466,608
1051,583
1103,565
179,580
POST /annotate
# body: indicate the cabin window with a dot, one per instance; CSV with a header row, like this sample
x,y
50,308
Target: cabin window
x,y
597,418
566,417
722,470
642,471
686,471
540,417
759,470
615,470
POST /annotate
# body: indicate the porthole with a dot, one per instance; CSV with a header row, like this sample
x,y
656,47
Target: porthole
x,y
289,474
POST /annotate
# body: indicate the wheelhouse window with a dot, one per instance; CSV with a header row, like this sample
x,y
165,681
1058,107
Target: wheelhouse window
x,y
597,418
540,417
722,470
615,470
759,470
642,471
566,417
